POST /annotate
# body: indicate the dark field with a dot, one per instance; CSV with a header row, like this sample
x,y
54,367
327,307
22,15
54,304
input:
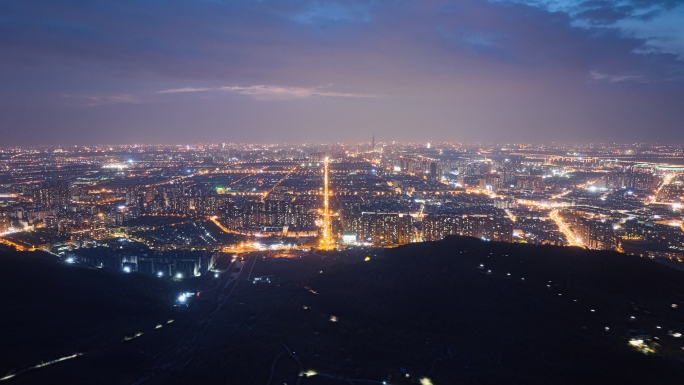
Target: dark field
x,y
421,311
50,310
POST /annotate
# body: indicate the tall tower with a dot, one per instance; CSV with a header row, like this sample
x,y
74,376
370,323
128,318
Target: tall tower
x,y
327,240
373,143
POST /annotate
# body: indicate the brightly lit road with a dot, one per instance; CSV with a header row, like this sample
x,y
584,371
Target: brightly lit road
x,y
573,240
667,179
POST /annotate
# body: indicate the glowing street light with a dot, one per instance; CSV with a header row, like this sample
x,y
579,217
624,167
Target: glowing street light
x,y
327,241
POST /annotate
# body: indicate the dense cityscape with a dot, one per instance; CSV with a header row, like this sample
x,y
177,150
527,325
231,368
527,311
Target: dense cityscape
x,y
328,192
178,205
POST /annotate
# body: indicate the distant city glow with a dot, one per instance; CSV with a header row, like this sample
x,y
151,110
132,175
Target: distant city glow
x,y
119,166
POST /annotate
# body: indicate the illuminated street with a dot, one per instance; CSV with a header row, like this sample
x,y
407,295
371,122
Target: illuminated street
x,y
573,240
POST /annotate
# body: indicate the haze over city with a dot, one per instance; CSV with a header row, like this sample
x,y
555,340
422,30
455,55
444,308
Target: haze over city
x,y
75,72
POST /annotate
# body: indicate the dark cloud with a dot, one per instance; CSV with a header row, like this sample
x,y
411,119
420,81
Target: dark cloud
x,y
470,68
605,15
605,12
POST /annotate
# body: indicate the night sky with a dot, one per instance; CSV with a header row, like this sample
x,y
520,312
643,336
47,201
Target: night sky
x,y
110,72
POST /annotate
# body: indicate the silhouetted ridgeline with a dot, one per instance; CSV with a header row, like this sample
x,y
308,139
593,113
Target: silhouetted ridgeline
x,y
50,310
458,311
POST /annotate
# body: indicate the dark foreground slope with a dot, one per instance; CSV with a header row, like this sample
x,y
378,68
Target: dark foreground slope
x,y
49,310
431,310
466,311
459,311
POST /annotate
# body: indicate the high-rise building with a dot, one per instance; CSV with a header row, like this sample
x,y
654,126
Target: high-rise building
x,y
530,182
131,195
595,234
381,228
488,226
4,221
52,193
434,172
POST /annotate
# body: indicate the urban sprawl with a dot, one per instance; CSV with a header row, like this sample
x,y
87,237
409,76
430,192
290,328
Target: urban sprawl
x,y
170,209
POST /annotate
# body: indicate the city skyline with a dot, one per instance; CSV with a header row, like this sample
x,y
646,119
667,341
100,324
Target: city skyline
x,y
139,72
332,192
216,231
555,145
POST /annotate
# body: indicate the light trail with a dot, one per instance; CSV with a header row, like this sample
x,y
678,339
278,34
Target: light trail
x,y
249,173
666,181
573,240
327,241
510,215
17,246
41,365
98,201
221,226
584,185
293,169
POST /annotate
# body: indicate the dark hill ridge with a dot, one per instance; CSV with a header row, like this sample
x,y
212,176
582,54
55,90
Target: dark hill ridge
x,y
430,310
459,311
452,309
50,310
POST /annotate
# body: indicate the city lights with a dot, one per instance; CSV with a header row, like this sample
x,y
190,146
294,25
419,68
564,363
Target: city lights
x,y
157,219
573,240
343,192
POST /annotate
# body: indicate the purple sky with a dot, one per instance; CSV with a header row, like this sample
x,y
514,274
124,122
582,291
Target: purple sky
x,y
95,71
